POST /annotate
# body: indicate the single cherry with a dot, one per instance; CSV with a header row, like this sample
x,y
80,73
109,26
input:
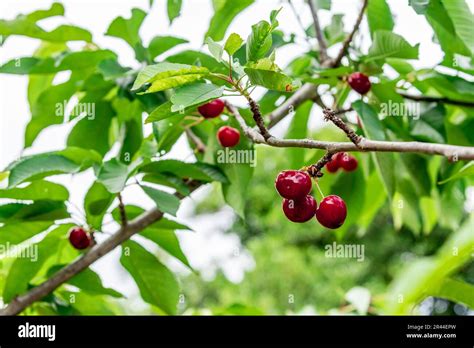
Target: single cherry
x,y
212,109
293,184
228,136
333,165
301,210
79,238
332,212
348,162
359,82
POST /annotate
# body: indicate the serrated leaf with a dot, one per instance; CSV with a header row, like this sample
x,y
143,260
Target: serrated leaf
x,y
387,44
164,76
156,283
195,94
165,201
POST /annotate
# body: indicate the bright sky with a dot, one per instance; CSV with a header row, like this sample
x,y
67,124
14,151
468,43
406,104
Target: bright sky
x,y
208,246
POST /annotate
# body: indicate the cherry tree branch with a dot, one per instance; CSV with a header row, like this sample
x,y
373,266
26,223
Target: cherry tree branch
x,y
348,39
330,115
452,152
200,147
123,214
125,232
426,98
319,33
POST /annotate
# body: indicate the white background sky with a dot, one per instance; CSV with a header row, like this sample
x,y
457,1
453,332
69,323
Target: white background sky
x,y
208,246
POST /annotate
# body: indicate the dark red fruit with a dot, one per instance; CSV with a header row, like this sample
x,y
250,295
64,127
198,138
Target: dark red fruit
x,y
359,82
300,210
293,184
332,212
79,238
348,162
333,165
228,136
212,109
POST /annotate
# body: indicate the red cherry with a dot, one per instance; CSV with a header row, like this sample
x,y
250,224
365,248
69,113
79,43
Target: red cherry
x,y
212,109
79,238
300,210
333,165
348,163
293,184
359,82
228,136
332,212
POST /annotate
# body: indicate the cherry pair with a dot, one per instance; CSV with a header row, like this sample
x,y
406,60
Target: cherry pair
x,y
227,136
342,160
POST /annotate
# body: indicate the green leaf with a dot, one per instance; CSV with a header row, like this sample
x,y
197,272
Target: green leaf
x,y
259,41
26,26
38,211
273,80
161,44
462,19
465,171
233,43
199,59
322,4
37,190
24,269
18,232
96,203
379,16
163,112
216,49
134,211
456,291
174,9
114,175
167,240
128,29
92,131
334,32
223,17
37,166
164,76
373,129
387,44
165,201
419,5
168,180
90,282
156,283
195,94
197,171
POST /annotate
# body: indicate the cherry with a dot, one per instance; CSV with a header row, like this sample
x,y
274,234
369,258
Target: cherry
x,y
301,210
293,184
79,238
333,165
348,163
212,109
359,82
228,136
332,212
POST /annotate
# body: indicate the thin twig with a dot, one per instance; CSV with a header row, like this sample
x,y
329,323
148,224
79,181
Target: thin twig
x,y
330,115
348,39
319,34
123,214
200,147
315,169
445,100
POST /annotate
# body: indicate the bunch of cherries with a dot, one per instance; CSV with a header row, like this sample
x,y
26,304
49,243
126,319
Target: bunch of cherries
x,y
299,206
227,136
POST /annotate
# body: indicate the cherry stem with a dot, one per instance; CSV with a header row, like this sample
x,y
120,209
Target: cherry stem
x,y
319,188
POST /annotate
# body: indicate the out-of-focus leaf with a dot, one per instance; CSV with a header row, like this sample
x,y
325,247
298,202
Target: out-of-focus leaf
x,y
161,44
96,203
174,9
379,16
37,190
18,232
224,15
165,201
467,170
